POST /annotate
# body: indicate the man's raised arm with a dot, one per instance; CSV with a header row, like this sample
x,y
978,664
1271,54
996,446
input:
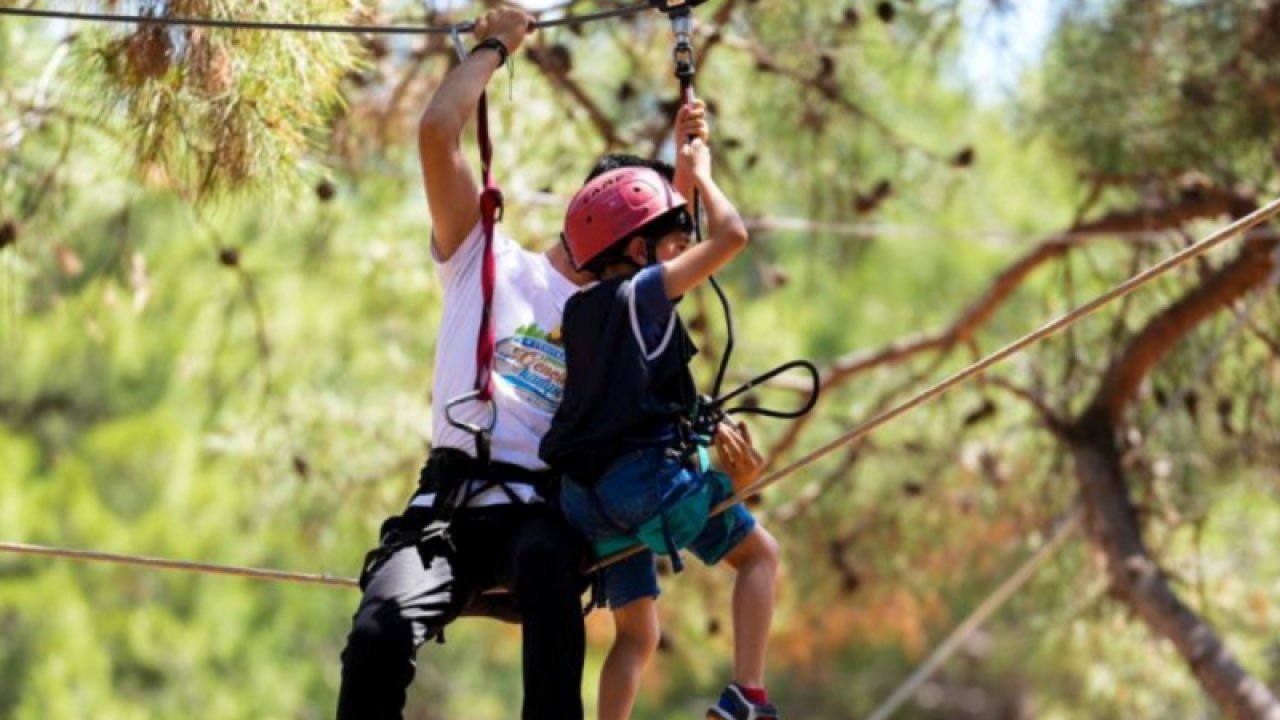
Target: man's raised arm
x,y
452,192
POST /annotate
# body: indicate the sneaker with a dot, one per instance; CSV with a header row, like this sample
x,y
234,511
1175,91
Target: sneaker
x,y
734,706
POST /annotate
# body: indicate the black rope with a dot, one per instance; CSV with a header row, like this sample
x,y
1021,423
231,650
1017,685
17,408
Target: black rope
x,y
685,73
305,27
711,409
815,378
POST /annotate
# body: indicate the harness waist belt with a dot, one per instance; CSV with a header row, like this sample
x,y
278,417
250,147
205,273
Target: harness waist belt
x,y
446,468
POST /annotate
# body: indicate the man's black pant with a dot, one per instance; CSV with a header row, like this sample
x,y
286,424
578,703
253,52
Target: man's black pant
x,y
416,592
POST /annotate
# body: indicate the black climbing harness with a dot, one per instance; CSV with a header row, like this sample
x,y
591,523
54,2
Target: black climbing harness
x,y
454,477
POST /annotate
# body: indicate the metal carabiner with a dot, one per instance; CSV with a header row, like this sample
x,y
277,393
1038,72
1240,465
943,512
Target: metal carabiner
x,y
481,434
682,29
455,32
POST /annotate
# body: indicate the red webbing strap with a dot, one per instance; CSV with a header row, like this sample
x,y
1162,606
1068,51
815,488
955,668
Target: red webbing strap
x,y
490,213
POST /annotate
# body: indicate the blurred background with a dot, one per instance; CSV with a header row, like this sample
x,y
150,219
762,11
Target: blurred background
x,y
218,313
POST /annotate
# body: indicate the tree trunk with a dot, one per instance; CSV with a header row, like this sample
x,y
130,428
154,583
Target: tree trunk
x,y
1138,582
1111,520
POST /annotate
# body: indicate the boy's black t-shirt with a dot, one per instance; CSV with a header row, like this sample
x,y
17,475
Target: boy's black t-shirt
x,y
628,381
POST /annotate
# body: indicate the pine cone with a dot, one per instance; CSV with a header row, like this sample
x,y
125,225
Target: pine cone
x,y
148,52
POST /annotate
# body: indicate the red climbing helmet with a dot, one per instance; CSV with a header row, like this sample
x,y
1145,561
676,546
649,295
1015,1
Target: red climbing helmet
x,y
612,207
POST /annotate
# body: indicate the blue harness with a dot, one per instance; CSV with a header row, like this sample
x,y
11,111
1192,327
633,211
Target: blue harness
x,y
684,511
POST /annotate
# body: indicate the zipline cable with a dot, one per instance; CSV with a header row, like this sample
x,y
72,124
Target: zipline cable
x,y
305,27
1199,248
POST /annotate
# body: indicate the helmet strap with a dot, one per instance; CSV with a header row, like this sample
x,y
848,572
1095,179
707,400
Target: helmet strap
x,y
620,255
564,243
651,250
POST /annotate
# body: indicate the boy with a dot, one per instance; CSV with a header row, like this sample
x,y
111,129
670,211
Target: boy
x,y
620,435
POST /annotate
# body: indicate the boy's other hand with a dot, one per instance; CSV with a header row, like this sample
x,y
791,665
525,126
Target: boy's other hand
x,y
698,158
737,456
508,24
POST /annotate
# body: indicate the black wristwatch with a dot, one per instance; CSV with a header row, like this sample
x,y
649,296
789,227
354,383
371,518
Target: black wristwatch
x,y
493,43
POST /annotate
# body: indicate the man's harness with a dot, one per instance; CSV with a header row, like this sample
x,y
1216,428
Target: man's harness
x,y
455,478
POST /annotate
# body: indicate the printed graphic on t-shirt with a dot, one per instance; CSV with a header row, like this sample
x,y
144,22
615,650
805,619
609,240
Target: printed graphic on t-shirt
x,y
533,362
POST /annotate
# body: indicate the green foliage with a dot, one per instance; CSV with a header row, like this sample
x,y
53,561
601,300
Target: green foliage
x,y
213,111
246,381
1156,89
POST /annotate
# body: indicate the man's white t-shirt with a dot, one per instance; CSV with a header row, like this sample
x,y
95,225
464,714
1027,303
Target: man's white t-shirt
x,y
529,357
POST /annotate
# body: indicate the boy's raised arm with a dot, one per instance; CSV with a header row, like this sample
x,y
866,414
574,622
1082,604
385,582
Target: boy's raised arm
x,y
452,192
726,233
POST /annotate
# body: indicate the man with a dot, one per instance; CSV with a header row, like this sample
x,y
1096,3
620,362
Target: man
x,y
506,536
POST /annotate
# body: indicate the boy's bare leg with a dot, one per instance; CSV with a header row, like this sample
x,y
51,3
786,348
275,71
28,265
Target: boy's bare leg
x,y
636,625
756,561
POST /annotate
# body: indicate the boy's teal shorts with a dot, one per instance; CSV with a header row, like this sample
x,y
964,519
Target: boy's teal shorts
x,y
630,494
